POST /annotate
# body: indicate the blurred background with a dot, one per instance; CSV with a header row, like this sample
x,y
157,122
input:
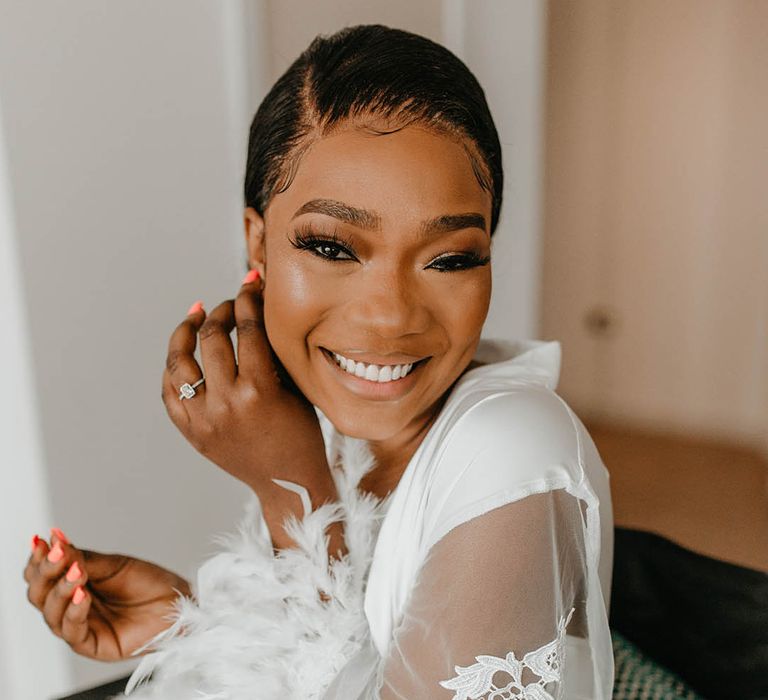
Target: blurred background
x,y
634,230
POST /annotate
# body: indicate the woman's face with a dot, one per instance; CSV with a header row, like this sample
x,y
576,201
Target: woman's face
x,y
378,253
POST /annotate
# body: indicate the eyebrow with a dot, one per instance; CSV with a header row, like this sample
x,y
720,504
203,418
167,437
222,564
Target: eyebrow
x,y
371,221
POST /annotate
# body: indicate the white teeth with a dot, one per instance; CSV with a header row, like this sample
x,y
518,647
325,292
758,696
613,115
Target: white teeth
x,y
373,373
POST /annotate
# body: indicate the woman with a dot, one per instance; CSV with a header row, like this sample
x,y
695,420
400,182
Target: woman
x,y
430,519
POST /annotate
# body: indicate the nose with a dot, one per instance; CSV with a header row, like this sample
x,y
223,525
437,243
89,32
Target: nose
x,y
388,302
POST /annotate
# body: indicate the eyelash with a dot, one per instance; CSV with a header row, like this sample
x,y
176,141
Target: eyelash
x,y
308,240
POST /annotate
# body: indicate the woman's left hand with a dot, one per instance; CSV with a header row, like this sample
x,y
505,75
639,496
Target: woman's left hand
x,y
247,417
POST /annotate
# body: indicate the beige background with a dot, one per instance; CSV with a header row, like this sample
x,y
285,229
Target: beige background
x,y
656,213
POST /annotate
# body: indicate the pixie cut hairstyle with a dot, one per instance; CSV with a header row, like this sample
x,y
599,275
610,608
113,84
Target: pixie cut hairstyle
x,y
358,76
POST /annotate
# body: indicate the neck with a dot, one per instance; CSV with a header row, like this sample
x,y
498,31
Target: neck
x,y
393,454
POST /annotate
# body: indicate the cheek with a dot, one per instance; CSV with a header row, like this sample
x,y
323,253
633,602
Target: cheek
x,y
481,298
294,302
464,313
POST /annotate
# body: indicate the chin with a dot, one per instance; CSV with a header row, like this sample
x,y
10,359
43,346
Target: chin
x,y
356,426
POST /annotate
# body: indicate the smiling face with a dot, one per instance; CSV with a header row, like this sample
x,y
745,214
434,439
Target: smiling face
x,y
377,254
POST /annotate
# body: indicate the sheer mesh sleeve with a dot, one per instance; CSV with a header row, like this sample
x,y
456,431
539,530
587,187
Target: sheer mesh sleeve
x,y
488,614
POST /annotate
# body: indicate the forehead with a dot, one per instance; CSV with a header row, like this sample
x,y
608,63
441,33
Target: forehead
x,y
410,172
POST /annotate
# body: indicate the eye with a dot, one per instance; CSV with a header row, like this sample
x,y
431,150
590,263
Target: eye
x,y
327,246
328,249
453,262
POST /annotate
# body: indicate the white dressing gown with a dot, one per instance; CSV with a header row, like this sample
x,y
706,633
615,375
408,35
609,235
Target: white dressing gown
x,y
498,535
485,574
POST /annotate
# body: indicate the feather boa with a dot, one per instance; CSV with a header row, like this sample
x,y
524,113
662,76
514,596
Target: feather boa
x,y
256,626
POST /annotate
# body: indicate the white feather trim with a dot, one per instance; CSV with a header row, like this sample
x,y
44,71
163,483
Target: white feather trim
x,y
256,626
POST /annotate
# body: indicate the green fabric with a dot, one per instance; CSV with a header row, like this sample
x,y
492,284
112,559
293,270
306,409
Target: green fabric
x,y
638,677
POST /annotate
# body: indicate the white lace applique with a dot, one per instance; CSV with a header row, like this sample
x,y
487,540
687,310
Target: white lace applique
x,y
477,680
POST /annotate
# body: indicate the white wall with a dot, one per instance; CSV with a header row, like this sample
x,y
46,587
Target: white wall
x,y
294,23
125,126
502,42
24,498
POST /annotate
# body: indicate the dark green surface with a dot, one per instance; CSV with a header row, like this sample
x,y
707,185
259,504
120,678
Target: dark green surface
x,y
638,677
103,692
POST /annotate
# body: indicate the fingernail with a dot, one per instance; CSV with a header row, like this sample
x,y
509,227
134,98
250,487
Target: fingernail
x,y
252,276
56,553
195,308
74,572
78,595
35,542
60,535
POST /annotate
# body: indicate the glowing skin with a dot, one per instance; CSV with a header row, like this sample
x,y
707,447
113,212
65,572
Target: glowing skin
x,y
380,301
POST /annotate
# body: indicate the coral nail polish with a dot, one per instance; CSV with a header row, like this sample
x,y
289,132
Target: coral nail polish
x,y
74,572
251,276
55,554
35,542
78,595
195,308
60,535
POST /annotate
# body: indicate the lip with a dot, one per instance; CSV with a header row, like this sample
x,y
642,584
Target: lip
x,y
367,389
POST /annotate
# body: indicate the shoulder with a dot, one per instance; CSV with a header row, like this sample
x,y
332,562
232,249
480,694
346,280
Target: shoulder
x,y
501,447
517,418
519,431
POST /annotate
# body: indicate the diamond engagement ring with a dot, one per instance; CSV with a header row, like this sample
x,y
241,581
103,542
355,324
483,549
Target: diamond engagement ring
x,y
187,391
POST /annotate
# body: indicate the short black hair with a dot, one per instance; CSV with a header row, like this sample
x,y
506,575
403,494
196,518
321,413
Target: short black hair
x,y
362,71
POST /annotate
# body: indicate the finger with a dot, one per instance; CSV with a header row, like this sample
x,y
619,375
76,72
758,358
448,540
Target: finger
x,y
39,552
102,567
60,594
255,360
173,404
75,629
58,536
180,363
47,572
216,349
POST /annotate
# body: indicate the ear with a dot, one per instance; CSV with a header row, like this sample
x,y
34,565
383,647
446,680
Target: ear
x,y
254,240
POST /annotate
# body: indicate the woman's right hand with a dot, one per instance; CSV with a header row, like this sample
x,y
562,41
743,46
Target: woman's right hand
x,y
104,606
